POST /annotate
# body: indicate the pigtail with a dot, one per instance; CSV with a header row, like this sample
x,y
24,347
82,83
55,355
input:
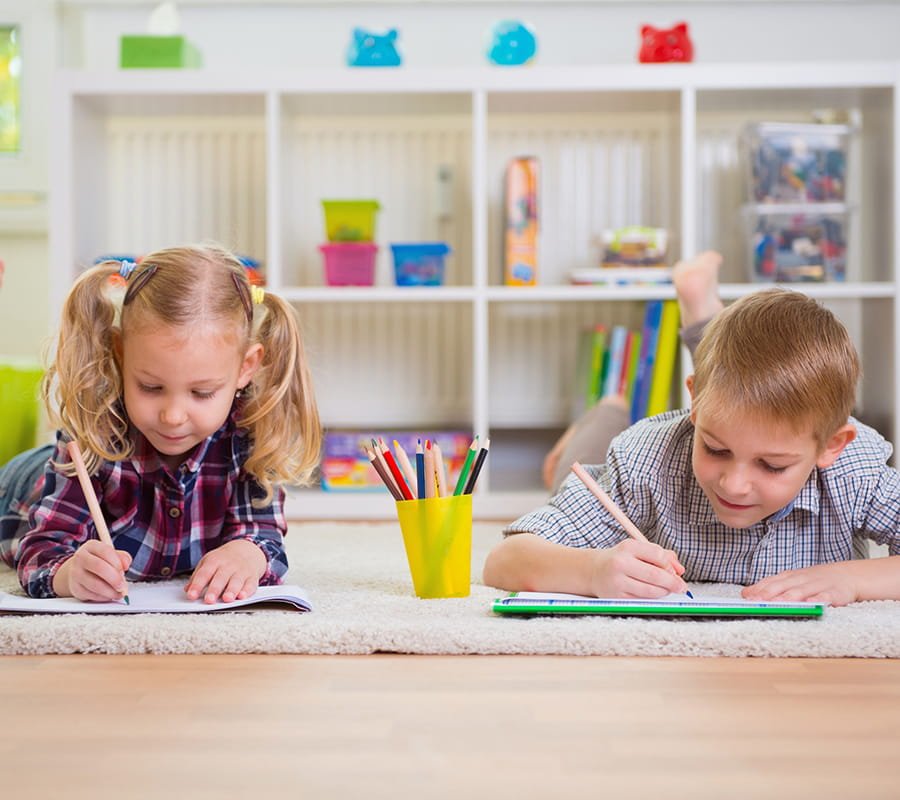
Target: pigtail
x,y
280,411
82,387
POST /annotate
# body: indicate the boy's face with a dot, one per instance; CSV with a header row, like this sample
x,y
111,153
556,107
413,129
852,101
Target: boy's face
x,y
750,468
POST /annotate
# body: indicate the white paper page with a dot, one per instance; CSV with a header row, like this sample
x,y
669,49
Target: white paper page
x,y
167,597
668,600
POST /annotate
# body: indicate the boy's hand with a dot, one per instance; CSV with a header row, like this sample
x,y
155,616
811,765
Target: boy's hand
x,y
231,572
95,573
637,569
832,584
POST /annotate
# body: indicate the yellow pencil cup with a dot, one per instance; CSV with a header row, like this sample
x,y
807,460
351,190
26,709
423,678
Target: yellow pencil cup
x,y
437,534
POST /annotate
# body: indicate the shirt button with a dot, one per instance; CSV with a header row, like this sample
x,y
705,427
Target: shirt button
x,y
165,571
174,512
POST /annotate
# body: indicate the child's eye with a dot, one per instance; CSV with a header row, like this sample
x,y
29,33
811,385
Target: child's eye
x,y
714,452
149,389
203,395
772,468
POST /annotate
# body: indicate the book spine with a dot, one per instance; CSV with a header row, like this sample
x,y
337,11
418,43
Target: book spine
x,y
649,335
666,351
618,341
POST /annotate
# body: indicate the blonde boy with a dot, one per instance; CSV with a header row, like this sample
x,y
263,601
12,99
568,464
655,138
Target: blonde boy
x,y
766,481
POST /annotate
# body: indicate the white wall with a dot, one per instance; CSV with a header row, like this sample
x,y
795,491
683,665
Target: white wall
x,y
236,36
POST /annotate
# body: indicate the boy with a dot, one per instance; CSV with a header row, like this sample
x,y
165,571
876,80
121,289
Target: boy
x,y
766,481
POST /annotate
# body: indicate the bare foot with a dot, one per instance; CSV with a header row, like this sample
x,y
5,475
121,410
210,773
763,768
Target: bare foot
x,y
696,283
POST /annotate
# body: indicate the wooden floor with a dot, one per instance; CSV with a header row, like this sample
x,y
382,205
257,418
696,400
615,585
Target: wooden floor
x,y
458,727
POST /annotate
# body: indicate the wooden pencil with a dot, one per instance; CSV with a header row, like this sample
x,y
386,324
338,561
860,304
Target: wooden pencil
x,y
91,496
477,466
395,470
383,474
405,465
429,470
440,472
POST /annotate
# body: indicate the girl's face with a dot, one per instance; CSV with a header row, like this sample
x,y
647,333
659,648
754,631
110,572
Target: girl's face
x,y
179,385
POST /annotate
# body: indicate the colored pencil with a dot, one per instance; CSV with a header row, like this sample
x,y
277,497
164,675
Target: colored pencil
x,y
379,456
93,504
403,461
383,474
429,470
594,488
476,469
439,471
467,465
420,470
395,470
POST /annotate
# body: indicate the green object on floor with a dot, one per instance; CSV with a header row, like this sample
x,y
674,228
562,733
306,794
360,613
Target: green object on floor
x,y
155,52
19,406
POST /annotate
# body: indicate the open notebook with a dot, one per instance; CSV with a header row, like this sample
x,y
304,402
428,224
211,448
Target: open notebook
x,y
153,598
673,605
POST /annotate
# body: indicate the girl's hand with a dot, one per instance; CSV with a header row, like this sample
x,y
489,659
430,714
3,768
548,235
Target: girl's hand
x,y
637,569
231,572
832,584
95,573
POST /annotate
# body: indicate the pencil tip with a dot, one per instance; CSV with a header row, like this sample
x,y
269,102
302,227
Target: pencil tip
x,y
688,593
127,601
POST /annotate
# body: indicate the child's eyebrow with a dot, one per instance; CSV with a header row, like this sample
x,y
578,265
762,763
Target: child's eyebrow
x,y
720,444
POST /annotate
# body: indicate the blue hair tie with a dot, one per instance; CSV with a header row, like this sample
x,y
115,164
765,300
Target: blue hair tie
x,y
126,268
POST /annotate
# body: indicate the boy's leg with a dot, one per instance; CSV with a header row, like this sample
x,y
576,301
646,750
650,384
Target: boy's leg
x,y
19,479
696,284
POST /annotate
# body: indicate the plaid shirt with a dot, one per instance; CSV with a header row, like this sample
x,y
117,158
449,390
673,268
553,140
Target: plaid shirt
x,y
648,474
166,520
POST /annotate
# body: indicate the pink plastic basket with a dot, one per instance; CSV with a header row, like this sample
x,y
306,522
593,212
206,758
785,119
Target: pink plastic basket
x,y
349,263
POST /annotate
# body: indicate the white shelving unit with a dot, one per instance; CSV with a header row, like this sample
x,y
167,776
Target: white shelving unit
x,y
144,159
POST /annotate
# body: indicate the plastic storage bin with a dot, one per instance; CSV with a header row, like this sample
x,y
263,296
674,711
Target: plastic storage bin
x,y
803,242
349,263
796,162
350,220
19,406
419,264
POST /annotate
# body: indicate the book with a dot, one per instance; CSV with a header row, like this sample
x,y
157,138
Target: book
x,y
167,597
640,392
673,605
660,395
617,343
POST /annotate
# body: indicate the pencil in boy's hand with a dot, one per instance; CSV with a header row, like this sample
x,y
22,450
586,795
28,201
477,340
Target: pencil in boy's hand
x,y
403,461
476,469
420,470
467,465
91,496
382,473
395,470
594,488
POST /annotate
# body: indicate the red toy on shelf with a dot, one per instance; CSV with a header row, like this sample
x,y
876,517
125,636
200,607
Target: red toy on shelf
x,y
665,44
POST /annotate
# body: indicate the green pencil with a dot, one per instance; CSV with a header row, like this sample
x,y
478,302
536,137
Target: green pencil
x,y
467,465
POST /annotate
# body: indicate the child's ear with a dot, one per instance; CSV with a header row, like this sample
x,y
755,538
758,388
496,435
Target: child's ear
x,y
835,445
689,382
252,359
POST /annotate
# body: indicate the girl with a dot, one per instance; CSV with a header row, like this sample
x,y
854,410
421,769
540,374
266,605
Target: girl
x,y
189,394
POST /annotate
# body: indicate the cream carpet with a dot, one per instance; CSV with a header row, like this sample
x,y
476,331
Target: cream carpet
x,y
357,579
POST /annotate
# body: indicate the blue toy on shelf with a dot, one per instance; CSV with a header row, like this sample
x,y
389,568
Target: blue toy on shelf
x,y
513,44
368,49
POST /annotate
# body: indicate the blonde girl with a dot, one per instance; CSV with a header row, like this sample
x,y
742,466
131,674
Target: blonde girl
x,y
189,394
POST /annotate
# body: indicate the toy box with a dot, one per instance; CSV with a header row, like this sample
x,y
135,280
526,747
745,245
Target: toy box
x,y
419,264
350,220
802,242
634,246
521,222
349,263
345,467
796,162
154,52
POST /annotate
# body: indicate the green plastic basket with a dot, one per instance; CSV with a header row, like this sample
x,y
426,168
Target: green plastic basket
x,y
19,406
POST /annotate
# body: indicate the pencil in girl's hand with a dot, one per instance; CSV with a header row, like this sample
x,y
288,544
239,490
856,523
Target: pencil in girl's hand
x,y
395,470
476,469
403,460
594,488
93,504
439,471
382,473
467,465
420,470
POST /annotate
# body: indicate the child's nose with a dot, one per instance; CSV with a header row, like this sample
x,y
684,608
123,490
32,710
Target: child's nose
x,y
734,482
172,414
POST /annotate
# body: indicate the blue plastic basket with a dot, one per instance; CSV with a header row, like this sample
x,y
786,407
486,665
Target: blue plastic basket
x,y
419,264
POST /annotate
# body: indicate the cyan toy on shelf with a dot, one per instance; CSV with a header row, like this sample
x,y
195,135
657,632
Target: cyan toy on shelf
x,y
368,49
512,44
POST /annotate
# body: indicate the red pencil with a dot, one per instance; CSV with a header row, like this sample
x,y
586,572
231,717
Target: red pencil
x,y
395,470
386,479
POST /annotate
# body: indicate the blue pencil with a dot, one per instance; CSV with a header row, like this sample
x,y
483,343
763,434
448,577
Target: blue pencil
x,y
420,470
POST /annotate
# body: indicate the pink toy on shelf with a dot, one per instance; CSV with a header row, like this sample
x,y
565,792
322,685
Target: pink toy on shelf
x,y
665,44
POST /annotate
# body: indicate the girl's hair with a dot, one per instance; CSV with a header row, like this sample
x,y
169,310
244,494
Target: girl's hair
x,y
183,287
778,354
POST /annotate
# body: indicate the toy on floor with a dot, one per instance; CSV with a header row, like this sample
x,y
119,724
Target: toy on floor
x,y
665,44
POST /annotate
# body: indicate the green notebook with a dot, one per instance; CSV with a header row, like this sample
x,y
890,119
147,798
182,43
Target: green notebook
x,y
673,605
